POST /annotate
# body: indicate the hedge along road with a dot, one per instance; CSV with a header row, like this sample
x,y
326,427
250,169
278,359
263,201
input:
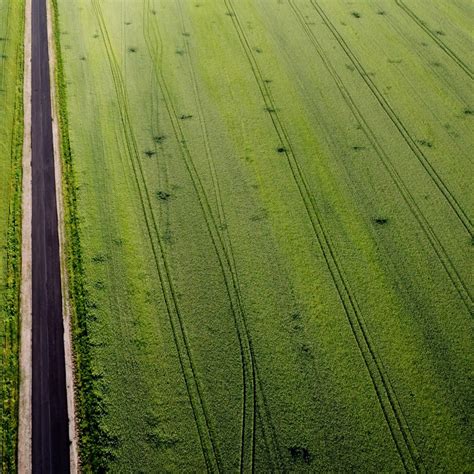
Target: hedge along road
x,y
50,440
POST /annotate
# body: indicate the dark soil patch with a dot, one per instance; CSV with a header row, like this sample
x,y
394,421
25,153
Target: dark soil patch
x,y
300,453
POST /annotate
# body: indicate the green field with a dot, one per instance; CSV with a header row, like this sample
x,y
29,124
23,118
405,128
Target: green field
x,y
269,222
11,139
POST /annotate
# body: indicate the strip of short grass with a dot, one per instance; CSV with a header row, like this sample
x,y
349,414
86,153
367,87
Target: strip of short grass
x,y
94,442
11,137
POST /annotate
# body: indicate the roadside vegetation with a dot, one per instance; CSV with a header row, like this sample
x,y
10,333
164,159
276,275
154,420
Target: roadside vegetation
x,y
95,445
11,142
269,226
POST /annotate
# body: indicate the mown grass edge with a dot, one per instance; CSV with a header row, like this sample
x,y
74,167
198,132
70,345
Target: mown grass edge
x,y
10,388
95,444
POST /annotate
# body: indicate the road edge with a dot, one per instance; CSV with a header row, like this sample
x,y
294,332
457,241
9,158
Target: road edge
x,y
68,347
25,408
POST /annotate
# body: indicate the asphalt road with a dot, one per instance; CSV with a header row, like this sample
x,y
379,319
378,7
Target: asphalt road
x,y
50,439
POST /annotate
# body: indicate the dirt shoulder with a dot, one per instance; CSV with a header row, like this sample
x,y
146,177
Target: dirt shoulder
x,y
25,412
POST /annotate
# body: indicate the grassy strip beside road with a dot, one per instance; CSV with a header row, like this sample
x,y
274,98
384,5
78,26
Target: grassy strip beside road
x,y
94,443
11,140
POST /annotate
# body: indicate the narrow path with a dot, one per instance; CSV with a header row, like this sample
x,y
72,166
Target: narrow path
x,y
50,437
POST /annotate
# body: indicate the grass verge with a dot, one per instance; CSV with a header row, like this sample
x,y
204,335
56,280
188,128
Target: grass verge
x,y
95,444
10,379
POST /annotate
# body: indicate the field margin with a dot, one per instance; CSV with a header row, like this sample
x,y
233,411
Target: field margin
x,y
10,389
94,446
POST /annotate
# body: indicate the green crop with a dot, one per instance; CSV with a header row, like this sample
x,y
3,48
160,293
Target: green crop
x,y
269,233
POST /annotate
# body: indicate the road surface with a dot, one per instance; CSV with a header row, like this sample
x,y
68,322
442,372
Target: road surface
x,y
50,440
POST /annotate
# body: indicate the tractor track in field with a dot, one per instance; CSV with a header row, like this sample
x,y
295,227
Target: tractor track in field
x,y
259,407
402,188
384,391
188,371
3,335
435,70
249,404
4,46
410,141
422,24
247,361
2,77
252,388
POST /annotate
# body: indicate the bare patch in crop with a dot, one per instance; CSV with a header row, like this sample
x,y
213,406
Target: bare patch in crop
x,y
155,435
168,237
260,216
300,453
163,195
159,138
425,143
307,352
297,323
99,258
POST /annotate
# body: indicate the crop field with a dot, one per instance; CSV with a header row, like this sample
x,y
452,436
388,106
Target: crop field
x,y
269,226
11,139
